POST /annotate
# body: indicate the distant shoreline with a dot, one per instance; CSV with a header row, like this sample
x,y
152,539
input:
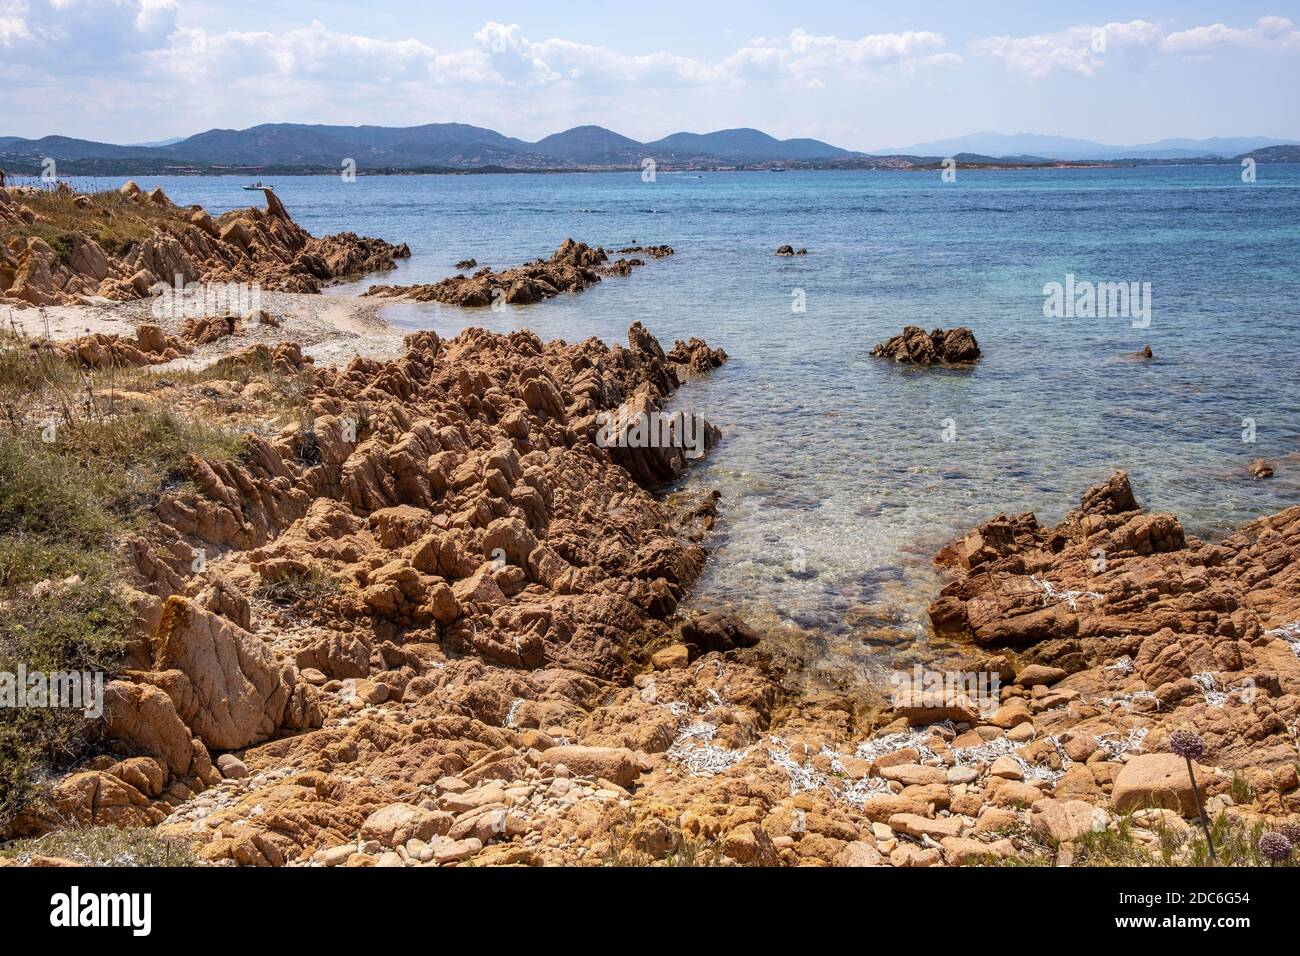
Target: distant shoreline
x,y
74,169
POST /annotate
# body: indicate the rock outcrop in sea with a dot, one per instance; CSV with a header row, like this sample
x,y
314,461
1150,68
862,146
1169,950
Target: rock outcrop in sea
x,y
573,267
915,346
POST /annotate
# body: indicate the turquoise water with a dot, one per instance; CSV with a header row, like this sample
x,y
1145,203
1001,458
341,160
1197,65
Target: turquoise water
x,y
837,485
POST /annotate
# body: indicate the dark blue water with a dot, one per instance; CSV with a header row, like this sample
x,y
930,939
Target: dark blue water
x,y
838,486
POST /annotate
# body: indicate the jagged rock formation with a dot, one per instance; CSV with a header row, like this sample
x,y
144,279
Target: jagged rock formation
x,y
251,245
917,347
458,513
441,623
150,346
573,267
1126,603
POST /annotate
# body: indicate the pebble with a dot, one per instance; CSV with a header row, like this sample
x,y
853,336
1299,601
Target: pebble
x,y
336,855
957,775
232,767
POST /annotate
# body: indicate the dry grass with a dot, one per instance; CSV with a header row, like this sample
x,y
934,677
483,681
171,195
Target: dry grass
x,y
1129,843
104,846
113,220
76,474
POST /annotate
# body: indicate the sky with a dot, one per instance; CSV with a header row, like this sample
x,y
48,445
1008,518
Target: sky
x,y
862,75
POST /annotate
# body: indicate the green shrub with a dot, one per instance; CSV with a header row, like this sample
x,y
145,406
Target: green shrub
x,y
64,506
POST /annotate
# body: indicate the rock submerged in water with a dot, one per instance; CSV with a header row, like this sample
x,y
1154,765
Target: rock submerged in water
x,y
1260,469
915,346
573,267
789,250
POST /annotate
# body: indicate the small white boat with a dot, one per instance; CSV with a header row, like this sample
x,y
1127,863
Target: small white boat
x,y
258,186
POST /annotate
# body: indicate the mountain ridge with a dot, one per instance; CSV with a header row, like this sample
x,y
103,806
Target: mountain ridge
x,y
463,147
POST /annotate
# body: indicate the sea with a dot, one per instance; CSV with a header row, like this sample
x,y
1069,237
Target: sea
x,y
842,474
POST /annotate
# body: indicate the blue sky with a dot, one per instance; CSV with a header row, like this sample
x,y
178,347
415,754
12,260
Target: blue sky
x,y
863,75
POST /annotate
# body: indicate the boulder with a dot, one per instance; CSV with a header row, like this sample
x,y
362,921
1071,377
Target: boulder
x,y
671,658
1064,820
231,691
397,823
231,767
717,631
1158,781
616,764
145,720
914,346
1036,674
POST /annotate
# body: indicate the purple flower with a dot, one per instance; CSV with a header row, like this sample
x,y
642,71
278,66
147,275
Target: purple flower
x,y
1186,744
1274,846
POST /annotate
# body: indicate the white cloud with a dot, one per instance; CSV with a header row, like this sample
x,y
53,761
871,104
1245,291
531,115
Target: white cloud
x,y
811,59
516,59
1082,50
500,53
70,34
108,65
1269,33
313,53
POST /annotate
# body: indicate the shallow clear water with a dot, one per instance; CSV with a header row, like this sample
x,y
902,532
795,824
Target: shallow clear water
x,y
837,485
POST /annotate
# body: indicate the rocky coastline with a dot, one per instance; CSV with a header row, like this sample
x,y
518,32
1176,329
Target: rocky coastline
x,y
63,247
427,616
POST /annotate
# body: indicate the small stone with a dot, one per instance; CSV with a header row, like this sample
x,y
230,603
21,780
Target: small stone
x,y
456,851
859,853
910,855
450,785
917,826
1066,820
1261,469
1036,674
1157,819
1079,747
1011,714
1006,768
959,775
960,851
1157,780
371,692
995,820
231,767
670,658
336,855
909,774
400,822
1022,733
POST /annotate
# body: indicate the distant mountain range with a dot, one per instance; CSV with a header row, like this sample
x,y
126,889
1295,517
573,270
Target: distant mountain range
x,y
1065,148
441,145
290,147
